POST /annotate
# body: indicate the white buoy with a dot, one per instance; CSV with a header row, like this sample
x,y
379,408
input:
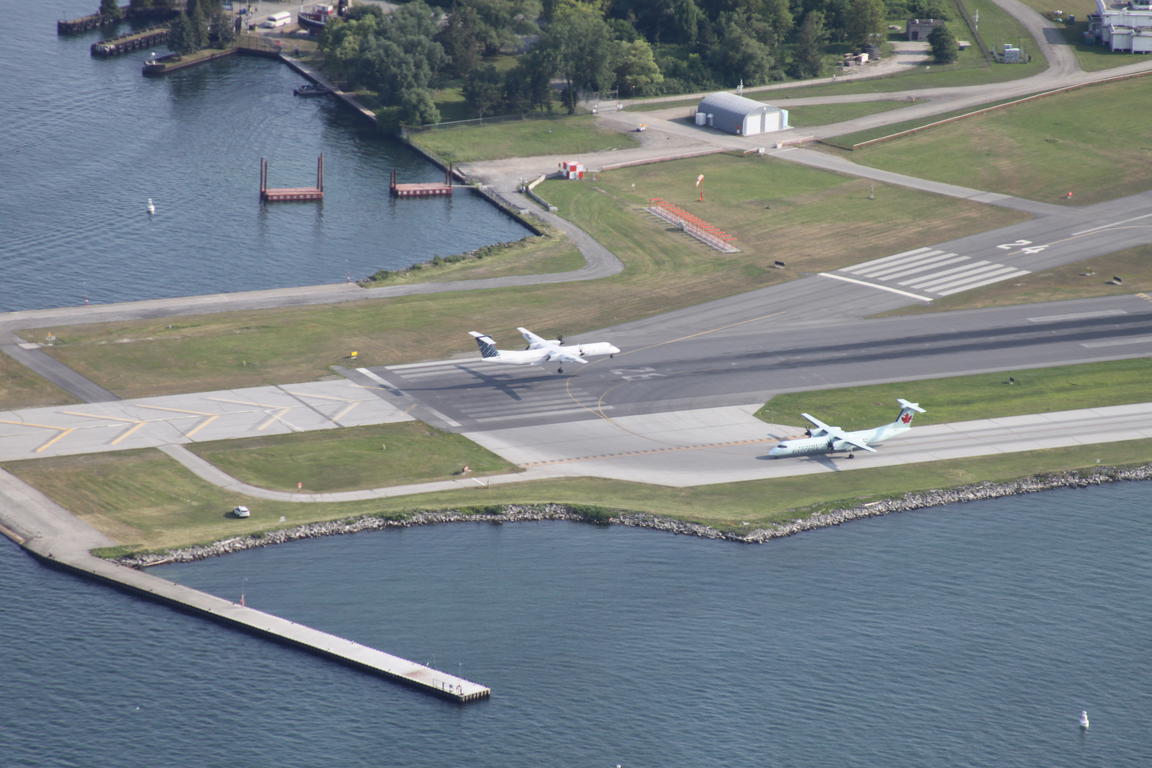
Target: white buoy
x,y
151,207
1084,719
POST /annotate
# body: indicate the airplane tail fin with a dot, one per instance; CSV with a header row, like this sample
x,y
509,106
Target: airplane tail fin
x,y
907,411
486,344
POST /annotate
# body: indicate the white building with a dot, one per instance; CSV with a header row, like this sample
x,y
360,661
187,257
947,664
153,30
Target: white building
x,y
1122,26
736,114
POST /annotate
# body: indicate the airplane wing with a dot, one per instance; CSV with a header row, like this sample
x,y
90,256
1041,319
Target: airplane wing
x,y
534,341
821,425
847,438
563,356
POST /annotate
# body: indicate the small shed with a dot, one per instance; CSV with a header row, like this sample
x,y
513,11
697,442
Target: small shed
x,y
919,29
570,169
736,114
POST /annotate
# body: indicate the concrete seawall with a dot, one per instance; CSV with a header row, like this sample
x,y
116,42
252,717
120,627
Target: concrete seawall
x,y
58,538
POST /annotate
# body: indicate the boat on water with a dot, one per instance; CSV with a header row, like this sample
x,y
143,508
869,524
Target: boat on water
x,y
1084,720
311,89
315,18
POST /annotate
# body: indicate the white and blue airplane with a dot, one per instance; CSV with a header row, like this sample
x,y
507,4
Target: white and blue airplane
x,y
541,350
823,439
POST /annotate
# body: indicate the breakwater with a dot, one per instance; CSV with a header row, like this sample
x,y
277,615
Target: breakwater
x,y
536,513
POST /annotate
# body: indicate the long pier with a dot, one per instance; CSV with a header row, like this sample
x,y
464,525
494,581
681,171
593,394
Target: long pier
x,y
51,534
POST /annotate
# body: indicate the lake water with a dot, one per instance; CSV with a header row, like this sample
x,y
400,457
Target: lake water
x,y
968,635
88,141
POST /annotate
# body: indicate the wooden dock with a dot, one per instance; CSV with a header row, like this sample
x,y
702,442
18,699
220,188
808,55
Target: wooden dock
x,y
83,24
422,188
291,194
115,46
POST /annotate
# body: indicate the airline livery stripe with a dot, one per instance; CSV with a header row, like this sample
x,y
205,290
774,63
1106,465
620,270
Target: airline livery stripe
x,y
938,263
971,277
886,258
890,263
926,280
997,279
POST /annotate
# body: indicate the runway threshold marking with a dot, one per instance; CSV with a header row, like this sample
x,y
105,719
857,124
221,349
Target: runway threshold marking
x,y
63,432
649,451
865,283
136,423
209,417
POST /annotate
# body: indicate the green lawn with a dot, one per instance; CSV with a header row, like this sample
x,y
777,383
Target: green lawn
x,y
348,459
980,396
776,210
20,388
532,255
1040,149
519,138
146,501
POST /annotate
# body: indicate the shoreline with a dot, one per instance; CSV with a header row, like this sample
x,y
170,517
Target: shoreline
x,y
514,513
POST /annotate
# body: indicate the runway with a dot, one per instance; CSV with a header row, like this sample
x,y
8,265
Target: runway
x,y
747,364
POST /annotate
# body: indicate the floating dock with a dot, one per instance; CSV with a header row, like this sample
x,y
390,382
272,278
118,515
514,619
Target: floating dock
x,y
291,194
422,188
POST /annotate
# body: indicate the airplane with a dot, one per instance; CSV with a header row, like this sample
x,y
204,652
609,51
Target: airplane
x,y
540,350
824,439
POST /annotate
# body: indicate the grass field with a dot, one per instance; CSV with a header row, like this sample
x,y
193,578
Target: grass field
x,y
146,501
348,459
532,255
981,396
1039,150
776,210
519,138
20,388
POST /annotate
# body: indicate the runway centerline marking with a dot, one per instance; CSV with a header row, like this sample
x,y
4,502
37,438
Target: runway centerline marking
x,y
649,451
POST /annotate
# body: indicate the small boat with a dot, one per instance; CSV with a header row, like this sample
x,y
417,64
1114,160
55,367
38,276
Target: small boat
x,y
311,89
315,18
151,207
1084,719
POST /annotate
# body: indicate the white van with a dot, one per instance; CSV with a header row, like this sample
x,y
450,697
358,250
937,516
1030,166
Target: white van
x,y
282,19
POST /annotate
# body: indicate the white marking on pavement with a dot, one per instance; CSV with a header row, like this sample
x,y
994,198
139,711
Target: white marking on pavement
x,y
1077,316
1106,226
888,288
1118,342
996,279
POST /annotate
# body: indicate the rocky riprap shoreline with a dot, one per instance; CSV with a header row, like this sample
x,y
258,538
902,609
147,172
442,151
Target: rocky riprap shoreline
x,y
513,513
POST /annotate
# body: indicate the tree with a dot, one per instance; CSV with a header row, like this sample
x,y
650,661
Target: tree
x,y
460,40
741,57
580,44
864,22
944,47
111,8
484,90
808,60
417,107
635,67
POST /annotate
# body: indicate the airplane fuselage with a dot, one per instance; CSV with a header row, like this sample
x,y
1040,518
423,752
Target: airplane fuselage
x,y
822,444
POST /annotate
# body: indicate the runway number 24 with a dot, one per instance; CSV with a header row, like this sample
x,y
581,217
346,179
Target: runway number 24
x,y
1021,245
634,374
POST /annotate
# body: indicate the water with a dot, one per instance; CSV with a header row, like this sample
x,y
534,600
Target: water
x,y
87,142
970,635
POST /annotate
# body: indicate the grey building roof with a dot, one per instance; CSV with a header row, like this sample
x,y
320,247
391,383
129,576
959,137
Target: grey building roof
x,y
731,104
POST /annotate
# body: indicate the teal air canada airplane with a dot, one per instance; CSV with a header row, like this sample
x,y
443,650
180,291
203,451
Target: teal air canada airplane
x,y
541,350
823,439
